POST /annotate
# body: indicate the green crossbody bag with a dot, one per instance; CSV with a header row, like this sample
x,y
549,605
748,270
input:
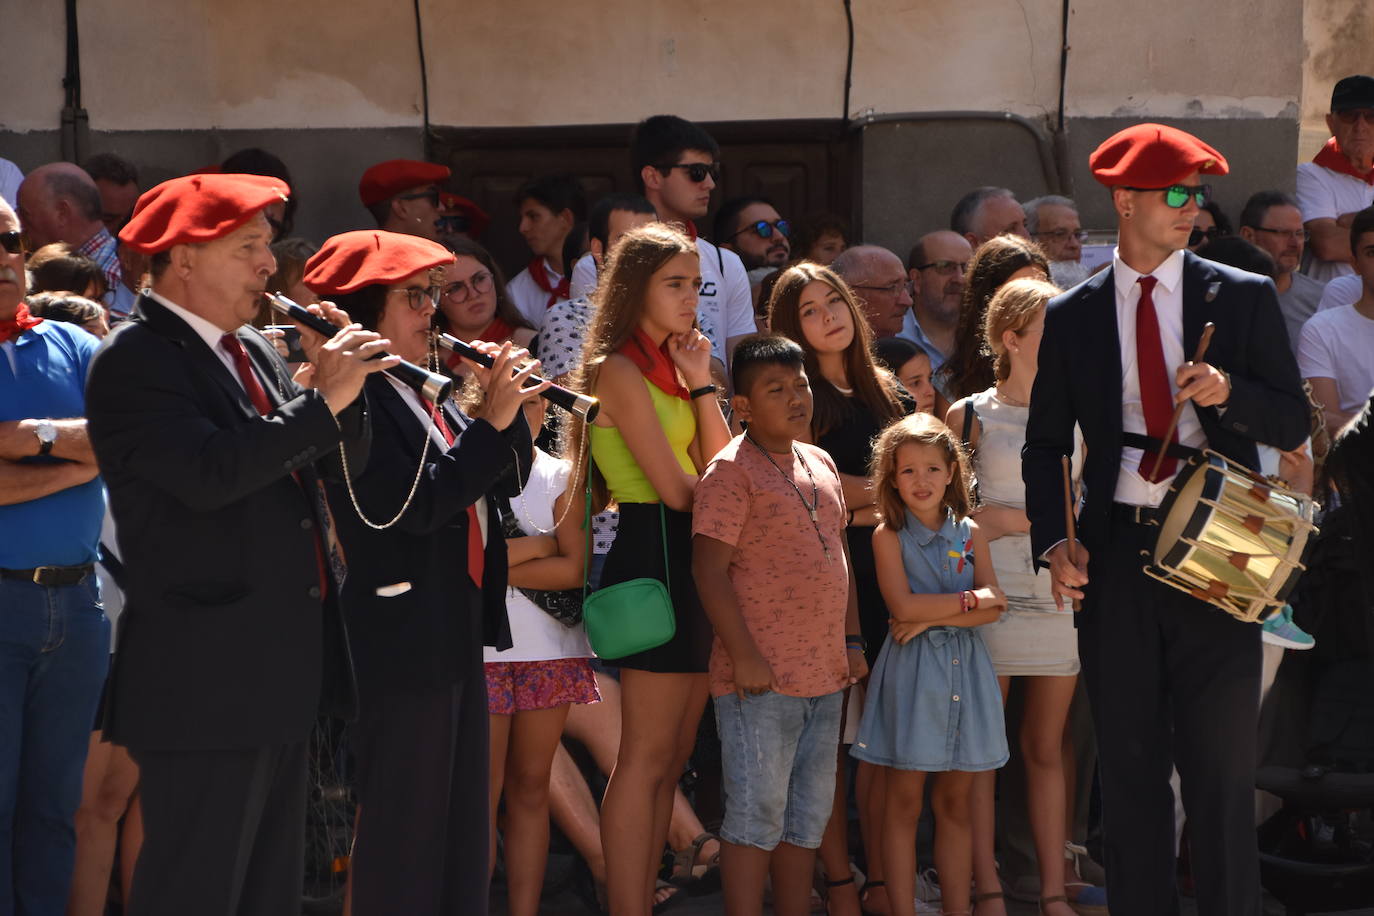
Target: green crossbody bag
x,y
630,616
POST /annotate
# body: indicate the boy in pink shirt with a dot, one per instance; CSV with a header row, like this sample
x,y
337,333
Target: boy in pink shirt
x,y
772,570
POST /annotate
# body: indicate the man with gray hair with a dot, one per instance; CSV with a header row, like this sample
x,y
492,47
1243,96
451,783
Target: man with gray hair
x,y
59,202
879,281
1273,221
987,212
1053,225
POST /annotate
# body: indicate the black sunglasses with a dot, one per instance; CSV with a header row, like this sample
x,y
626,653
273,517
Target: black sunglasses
x,y
697,171
431,195
12,241
1198,236
764,229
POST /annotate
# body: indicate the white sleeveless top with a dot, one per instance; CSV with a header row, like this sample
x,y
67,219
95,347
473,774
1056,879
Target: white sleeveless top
x,y
537,636
997,465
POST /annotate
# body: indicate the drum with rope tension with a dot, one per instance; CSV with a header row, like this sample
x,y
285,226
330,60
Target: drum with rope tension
x,y
1230,537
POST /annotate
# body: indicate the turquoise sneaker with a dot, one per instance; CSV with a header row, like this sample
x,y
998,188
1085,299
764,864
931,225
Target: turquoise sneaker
x,y
1280,630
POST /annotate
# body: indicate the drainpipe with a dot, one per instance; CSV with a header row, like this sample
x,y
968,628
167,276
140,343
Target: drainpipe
x,y
75,125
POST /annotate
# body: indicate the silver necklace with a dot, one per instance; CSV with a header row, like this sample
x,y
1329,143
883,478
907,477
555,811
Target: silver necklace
x,y
812,507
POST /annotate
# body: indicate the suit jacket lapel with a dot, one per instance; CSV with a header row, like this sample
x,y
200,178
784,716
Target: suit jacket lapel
x,y
1198,282
269,373
1105,338
169,325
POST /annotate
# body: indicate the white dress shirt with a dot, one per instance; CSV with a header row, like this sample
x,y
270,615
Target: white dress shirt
x,y
1131,486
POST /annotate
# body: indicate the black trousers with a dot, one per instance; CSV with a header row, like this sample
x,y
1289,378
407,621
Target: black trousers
x,y
224,832
421,845
1172,681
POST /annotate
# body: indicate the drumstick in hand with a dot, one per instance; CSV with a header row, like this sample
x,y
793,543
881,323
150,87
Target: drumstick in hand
x,y
1069,520
1207,330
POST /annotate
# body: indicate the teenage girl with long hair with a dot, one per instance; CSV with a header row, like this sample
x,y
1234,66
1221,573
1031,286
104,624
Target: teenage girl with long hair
x,y
660,424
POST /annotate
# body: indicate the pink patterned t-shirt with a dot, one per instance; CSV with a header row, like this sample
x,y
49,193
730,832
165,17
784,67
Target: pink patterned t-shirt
x,y
793,599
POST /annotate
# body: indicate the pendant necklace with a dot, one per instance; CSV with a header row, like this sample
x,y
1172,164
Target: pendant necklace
x,y
812,507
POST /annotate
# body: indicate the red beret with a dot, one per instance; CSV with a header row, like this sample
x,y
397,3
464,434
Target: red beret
x,y
387,179
368,257
198,208
478,220
1153,156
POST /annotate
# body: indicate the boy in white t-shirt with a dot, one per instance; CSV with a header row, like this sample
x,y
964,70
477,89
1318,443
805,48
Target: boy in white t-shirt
x,y
1336,350
549,209
676,164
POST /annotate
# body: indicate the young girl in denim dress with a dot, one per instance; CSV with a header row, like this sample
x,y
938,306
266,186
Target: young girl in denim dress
x,y
933,703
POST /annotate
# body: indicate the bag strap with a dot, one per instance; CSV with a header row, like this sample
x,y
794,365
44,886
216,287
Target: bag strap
x,y
970,414
587,548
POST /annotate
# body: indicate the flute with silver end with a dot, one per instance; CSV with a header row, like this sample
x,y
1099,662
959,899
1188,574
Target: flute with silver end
x,y
583,405
432,385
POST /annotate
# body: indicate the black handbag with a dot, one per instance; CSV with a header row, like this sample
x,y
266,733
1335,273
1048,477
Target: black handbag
x,y
563,605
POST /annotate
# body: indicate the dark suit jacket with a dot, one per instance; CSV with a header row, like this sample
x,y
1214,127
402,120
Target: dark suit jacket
x,y
432,634
225,640
1079,381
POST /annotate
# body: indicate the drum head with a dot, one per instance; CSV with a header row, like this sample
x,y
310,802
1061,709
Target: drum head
x,y
1183,514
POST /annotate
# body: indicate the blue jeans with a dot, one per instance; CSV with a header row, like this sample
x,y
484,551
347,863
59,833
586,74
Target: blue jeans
x,y
54,652
778,757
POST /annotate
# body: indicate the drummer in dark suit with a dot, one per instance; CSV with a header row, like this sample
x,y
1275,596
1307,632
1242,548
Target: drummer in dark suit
x,y
231,625
1171,679
425,593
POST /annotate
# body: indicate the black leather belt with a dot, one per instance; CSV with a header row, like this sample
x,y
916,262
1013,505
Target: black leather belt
x,y
50,576
1124,513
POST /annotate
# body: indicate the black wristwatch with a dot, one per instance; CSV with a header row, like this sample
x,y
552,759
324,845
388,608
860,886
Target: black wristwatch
x,y
702,391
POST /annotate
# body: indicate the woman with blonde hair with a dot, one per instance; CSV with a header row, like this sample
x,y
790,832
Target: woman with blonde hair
x,y
1032,639
660,424
855,398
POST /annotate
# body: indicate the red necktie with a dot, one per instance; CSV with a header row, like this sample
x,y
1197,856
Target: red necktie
x,y
258,396
476,551
1156,396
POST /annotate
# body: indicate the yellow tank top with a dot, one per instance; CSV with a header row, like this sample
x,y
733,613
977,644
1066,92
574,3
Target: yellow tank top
x,y
624,477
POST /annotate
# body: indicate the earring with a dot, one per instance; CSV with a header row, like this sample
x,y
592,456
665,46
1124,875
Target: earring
x,y
1127,214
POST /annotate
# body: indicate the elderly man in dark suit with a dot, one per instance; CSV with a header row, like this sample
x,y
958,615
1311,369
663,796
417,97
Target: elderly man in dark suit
x,y
1171,679
231,623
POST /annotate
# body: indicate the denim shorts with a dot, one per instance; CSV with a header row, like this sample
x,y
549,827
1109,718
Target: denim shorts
x,y
778,761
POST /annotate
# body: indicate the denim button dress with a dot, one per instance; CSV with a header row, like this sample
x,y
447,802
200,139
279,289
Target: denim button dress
x,y
933,704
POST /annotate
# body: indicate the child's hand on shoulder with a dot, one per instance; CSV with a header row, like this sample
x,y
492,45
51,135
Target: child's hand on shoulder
x,y
753,675
904,632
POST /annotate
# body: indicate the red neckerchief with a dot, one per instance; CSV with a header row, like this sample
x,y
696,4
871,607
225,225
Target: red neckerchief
x,y
691,228
540,274
496,332
17,325
1332,158
655,363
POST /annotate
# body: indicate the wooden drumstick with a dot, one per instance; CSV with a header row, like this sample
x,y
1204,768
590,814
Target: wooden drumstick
x,y
1069,520
1207,330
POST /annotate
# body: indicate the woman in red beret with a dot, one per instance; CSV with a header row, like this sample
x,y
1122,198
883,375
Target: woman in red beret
x,y
425,590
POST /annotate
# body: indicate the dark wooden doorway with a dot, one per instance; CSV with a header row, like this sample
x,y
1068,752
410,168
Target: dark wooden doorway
x,y
802,166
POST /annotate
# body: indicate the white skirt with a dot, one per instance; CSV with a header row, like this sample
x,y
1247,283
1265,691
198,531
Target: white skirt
x,y
1032,643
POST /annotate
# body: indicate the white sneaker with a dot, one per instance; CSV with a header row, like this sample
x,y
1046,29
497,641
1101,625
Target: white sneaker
x,y
927,886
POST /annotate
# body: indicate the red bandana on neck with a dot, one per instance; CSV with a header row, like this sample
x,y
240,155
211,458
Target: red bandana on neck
x,y
496,332
540,274
691,228
1332,158
17,325
655,363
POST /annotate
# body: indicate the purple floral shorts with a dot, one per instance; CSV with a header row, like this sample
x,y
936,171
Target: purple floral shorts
x,y
524,686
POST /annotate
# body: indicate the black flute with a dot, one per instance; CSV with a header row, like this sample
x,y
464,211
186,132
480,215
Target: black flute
x,y
431,385
583,405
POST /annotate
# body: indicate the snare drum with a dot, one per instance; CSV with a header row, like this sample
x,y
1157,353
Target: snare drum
x,y
1231,538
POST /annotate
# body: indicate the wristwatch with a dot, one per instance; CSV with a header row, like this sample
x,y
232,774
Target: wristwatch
x,y
47,435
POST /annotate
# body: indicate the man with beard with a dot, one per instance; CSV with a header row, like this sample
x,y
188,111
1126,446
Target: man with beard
x,y
1052,222
936,268
752,229
1273,221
